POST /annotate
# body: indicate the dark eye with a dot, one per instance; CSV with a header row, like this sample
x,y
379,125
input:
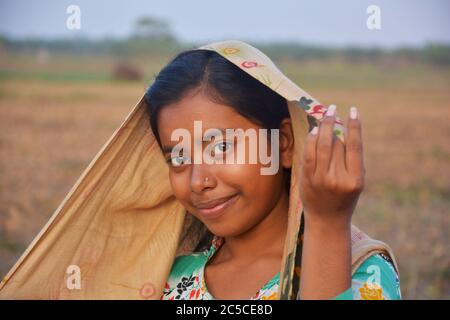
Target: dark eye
x,y
177,161
222,147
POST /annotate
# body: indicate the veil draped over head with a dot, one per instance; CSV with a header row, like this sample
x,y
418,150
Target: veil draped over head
x,y
117,232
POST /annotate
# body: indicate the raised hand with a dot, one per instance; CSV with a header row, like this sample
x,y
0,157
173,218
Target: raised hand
x,y
332,174
331,180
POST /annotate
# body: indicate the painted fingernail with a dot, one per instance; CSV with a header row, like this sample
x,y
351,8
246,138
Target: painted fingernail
x,y
331,110
315,130
353,113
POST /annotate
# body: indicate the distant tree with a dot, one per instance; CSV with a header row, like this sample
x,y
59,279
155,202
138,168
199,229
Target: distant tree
x,y
149,36
152,28
438,54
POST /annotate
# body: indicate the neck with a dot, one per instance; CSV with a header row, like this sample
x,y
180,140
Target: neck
x,y
267,237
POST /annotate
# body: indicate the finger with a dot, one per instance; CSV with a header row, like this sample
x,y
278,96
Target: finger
x,y
309,153
337,166
325,142
353,145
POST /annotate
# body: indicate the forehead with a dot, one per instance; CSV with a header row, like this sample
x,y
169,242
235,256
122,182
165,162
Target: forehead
x,y
199,108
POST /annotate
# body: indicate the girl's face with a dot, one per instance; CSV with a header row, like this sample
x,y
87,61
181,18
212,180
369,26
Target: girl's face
x,y
240,194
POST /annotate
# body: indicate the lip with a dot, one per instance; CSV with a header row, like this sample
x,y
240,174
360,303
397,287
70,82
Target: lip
x,y
217,207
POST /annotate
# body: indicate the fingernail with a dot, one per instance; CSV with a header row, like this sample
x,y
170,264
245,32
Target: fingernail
x,y
315,130
331,110
353,113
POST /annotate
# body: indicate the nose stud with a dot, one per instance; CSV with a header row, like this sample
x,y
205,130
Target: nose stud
x,y
206,179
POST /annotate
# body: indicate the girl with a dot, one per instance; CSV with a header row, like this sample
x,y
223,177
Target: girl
x,y
145,222
240,216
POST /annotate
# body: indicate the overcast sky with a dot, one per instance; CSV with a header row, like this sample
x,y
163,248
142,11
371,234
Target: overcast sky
x,y
326,22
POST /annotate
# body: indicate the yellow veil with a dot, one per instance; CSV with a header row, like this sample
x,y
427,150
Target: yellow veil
x,y
117,232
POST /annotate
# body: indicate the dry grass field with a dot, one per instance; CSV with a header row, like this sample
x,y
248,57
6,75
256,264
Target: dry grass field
x,y
55,116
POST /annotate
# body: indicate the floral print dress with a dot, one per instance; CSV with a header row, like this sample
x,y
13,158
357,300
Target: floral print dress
x,y
375,279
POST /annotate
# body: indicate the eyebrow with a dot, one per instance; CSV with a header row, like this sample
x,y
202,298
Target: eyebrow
x,y
168,149
209,135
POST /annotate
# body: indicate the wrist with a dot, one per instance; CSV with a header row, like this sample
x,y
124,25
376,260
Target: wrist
x,y
319,224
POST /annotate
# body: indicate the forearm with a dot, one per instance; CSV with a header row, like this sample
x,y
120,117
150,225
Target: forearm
x,y
326,259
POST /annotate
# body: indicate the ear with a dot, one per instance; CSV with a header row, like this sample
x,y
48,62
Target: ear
x,y
286,143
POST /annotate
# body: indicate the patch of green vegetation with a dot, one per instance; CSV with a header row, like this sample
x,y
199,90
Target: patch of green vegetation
x,y
14,247
53,76
423,192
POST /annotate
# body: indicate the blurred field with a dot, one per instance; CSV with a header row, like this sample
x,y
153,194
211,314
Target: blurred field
x,y
56,114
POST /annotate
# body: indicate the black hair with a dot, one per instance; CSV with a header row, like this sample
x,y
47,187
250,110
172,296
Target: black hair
x,y
222,82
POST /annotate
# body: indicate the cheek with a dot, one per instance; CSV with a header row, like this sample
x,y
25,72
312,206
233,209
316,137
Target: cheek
x,y
180,185
239,176
255,187
258,196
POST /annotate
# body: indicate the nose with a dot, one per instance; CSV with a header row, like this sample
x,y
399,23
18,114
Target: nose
x,y
201,178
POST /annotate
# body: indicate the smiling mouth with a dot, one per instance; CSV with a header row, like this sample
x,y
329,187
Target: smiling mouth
x,y
216,208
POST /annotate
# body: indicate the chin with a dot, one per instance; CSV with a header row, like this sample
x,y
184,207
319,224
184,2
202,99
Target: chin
x,y
224,229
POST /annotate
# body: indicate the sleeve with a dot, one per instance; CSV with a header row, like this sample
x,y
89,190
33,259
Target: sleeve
x,y
375,279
